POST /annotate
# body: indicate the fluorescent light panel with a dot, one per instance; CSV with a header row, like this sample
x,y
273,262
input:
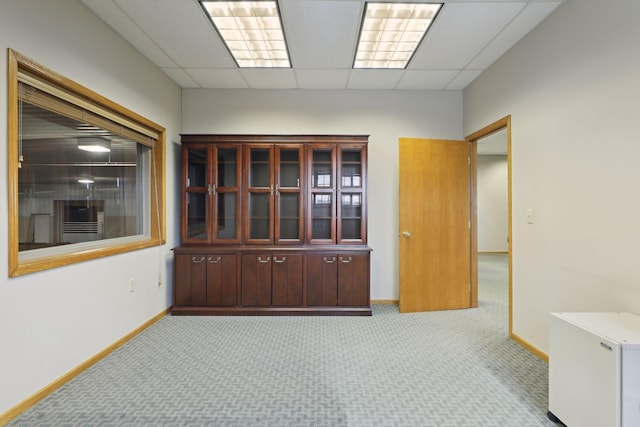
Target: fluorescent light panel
x,y
94,145
252,31
391,32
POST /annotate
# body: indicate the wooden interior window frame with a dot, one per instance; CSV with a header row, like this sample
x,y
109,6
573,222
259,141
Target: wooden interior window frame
x,y
19,64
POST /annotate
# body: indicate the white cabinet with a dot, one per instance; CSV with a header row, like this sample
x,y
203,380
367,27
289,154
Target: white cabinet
x,y
594,369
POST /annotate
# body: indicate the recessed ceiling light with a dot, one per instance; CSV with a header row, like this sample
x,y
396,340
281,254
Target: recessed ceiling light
x,y
252,31
391,32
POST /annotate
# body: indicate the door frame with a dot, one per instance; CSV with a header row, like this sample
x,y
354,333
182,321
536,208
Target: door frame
x,y
504,123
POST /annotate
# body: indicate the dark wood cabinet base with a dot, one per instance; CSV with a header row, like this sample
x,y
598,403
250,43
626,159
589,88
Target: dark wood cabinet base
x,y
268,281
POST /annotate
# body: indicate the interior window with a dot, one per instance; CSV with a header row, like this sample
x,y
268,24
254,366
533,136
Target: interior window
x,y
86,176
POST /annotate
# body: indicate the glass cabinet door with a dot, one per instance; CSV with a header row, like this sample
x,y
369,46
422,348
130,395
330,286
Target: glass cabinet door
x,y
195,204
289,176
351,215
227,197
211,197
260,193
322,193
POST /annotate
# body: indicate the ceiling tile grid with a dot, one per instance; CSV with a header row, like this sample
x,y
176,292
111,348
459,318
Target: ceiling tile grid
x,y
467,37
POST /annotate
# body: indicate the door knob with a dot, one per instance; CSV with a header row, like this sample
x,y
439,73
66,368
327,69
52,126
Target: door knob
x,y
406,234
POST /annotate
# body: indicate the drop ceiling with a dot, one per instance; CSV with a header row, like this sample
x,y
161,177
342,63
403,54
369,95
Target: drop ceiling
x,y
465,39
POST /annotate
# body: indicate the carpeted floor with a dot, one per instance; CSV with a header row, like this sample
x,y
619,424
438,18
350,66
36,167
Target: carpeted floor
x,y
451,368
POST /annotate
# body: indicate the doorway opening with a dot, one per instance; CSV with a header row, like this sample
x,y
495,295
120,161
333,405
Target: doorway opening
x,y
492,140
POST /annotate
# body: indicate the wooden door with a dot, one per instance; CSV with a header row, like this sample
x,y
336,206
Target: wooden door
x,y
321,208
256,280
435,221
353,280
289,176
287,280
259,193
190,279
322,280
222,279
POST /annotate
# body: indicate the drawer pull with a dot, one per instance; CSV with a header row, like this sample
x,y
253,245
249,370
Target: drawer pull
x,y
279,261
196,260
345,260
214,261
264,261
329,260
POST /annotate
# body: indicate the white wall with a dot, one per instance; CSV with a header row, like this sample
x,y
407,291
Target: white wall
x,y
52,321
385,115
572,88
492,203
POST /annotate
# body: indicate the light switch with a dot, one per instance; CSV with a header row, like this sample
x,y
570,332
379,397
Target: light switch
x,y
529,216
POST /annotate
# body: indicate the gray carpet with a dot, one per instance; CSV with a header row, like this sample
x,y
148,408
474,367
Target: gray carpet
x,y
452,368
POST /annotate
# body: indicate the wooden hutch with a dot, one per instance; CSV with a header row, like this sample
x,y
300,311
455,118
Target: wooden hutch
x,y
273,224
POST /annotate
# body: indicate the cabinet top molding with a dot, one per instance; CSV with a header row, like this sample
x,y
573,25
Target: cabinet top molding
x,y
274,138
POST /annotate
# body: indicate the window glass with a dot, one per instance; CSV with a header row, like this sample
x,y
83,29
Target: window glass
x,y
70,195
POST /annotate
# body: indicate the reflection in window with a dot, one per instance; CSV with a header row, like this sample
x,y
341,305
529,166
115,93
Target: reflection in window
x,y
351,199
68,194
321,179
321,199
351,181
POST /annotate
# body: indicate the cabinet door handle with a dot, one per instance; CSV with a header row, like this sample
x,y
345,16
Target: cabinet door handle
x,y
329,260
279,261
264,261
346,260
211,189
214,261
196,260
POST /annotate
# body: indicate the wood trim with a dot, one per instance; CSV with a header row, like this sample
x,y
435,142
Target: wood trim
x,y
385,301
46,391
489,129
473,199
530,347
271,311
493,252
274,139
32,266
12,156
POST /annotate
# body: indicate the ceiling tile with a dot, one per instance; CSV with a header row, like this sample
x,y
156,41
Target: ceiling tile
x,y
463,79
321,34
322,79
527,20
460,31
179,76
114,17
182,29
426,79
229,78
269,78
374,79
